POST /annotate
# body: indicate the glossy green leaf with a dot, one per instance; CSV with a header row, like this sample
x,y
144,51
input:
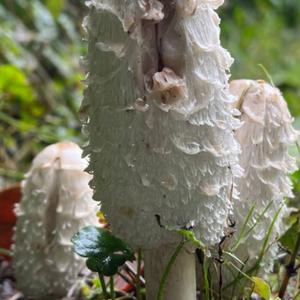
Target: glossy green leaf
x,y
105,252
261,288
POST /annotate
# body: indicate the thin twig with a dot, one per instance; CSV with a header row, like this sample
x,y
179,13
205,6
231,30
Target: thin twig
x,y
103,286
128,280
289,269
133,272
220,260
112,288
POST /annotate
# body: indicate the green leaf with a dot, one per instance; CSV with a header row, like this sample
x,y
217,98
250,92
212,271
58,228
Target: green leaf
x,y
13,81
190,237
261,288
233,256
55,7
187,234
289,239
105,252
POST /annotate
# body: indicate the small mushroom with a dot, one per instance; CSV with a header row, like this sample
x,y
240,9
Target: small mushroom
x,y
56,203
265,136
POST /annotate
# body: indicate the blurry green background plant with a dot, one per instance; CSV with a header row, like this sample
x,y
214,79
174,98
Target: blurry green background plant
x,y
40,78
265,32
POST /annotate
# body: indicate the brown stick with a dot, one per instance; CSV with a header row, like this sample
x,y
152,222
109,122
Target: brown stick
x,y
289,269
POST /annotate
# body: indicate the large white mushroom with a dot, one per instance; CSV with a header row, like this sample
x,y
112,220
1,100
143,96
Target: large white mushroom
x,y
158,114
265,137
56,203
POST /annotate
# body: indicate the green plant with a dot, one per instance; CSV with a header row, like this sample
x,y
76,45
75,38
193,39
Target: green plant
x,y
104,252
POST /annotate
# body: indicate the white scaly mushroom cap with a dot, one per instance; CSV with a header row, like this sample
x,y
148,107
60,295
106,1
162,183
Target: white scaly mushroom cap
x,y
265,136
158,114
56,203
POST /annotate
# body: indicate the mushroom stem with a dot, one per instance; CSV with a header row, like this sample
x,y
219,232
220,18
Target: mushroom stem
x,y
181,279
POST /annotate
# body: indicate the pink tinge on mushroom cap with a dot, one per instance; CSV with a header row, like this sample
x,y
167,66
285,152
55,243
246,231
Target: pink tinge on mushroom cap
x,y
252,97
68,153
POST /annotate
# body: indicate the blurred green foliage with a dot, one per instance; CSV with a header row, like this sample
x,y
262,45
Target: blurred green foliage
x,y
40,75
265,32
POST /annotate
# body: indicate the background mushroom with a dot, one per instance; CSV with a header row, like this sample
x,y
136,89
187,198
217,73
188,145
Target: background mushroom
x,y
265,137
56,202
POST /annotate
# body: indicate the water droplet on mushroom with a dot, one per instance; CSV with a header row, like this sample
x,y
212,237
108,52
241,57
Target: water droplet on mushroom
x,y
145,180
190,148
129,160
169,181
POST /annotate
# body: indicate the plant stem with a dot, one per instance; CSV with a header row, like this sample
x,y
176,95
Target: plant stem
x,y
289,269
244,227
138,282
265,243
220,280
206,278
166,273
103,285
241,272
267,74
112,288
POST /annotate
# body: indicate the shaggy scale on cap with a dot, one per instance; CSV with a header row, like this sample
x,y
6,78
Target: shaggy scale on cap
x,y
265,136
56,203
158,114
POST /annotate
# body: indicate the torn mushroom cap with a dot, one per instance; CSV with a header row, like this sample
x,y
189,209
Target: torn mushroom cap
x,y
152,10
171,87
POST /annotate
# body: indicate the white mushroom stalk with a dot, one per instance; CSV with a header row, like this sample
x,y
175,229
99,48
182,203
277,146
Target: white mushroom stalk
x,y
56,203
265,136
158,114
